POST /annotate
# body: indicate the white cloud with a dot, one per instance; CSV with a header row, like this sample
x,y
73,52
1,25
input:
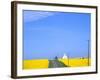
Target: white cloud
x,y
36,15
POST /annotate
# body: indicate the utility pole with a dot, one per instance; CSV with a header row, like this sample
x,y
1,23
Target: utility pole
x,y
88,51
68,60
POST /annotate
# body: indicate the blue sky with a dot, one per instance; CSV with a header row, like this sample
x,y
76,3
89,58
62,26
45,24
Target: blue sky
x,y
50,34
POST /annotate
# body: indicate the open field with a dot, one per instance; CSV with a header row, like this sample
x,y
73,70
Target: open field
x,y
76,62
45,63
35,64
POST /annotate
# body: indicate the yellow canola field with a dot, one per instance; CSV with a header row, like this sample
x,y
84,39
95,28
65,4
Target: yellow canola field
x,y
76,62
44,63
35,64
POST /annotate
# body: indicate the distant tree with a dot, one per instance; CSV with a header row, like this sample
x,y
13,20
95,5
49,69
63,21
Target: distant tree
x,y
82,57
56,58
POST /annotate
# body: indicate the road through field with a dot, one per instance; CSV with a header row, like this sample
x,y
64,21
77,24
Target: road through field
x,y
56,64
